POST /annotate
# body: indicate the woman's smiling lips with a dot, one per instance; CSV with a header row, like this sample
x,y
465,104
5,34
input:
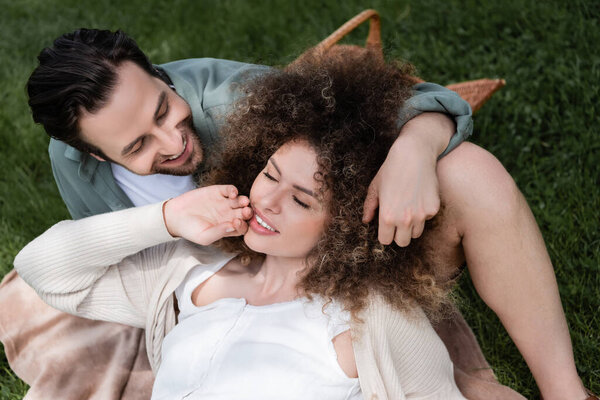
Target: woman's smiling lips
x,y
261,225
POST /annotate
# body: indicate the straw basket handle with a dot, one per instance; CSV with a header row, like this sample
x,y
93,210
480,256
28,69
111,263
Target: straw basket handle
x,y
476,93
373,39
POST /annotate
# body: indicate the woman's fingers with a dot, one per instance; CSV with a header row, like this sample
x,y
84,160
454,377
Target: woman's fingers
x,y
247,213
240,208
229,191
212,234
241,227
238,202
232,214
236,227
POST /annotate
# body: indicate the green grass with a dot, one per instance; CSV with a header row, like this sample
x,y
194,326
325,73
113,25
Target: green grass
x,y
543,125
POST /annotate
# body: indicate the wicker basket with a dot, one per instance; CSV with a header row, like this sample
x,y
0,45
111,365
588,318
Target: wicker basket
x,y
476,92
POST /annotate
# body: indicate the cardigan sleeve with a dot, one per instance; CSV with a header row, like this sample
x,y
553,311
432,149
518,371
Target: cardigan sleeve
x,y
399,356
92,267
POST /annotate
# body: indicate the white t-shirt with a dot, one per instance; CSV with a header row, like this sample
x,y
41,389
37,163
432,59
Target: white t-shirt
x,y
149,189
232,350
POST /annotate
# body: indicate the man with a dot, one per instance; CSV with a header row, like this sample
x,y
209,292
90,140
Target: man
x,y
148,129
127,133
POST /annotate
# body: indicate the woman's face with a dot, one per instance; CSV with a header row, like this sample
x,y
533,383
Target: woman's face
x,y
289,211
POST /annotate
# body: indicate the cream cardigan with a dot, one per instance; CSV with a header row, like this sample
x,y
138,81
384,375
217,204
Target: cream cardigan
x,y
124,267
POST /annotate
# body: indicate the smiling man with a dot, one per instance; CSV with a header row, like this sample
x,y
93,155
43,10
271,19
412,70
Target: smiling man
x,y
143,130
126,133
160,139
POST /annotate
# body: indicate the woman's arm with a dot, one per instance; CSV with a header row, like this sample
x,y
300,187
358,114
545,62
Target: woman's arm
x,y
399,355
85,267
106,266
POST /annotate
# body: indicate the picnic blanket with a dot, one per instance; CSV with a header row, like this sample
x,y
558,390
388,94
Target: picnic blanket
x,y
65,357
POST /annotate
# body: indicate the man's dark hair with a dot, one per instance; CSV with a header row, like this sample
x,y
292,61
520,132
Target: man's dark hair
x,y
76,74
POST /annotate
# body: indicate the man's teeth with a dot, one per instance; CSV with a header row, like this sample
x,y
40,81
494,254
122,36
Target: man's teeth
x,y
182,150
264,224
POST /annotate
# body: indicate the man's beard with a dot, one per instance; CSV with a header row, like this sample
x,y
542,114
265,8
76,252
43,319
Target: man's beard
x,y
193,162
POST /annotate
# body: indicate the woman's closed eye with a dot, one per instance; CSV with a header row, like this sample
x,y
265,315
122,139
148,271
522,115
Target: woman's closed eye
x,y
300,203
269,176
296,200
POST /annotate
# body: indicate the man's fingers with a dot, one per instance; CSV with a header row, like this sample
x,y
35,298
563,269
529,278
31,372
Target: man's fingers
x,y
386,232
402,237
417,229
370,205
400,231
432,207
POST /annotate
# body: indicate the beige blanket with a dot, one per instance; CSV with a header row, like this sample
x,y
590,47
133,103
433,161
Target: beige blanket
x,y
65,357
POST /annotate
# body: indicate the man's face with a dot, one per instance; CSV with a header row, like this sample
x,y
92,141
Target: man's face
x,y
145,126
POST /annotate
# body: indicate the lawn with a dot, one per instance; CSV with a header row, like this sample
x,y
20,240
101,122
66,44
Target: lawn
x,y
543,126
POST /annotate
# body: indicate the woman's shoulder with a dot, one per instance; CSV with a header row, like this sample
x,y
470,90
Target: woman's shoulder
x,y
201,263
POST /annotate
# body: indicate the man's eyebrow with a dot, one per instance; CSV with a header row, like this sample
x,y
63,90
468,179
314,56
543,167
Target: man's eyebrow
x,y
161,100
300,188
130,146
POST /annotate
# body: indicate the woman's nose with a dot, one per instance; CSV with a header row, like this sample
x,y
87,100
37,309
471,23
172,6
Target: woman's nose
x,y
271,201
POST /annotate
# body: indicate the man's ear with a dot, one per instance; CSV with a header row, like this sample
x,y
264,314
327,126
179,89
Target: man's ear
x,y
97,157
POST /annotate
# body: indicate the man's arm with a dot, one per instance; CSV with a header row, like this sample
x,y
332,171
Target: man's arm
x,y
406,188
208,85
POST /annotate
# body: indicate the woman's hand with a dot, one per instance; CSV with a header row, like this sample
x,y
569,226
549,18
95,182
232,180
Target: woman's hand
x,y
207,214
406,186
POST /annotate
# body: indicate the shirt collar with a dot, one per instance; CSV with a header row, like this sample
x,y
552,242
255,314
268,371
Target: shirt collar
x,y
87,163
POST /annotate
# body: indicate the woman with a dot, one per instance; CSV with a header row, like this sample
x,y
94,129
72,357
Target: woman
x,y
308,300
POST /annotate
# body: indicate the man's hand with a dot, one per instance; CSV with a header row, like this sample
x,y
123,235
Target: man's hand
x,y
207,214
406,186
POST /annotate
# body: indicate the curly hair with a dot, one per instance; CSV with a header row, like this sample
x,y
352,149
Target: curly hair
x,y
346,106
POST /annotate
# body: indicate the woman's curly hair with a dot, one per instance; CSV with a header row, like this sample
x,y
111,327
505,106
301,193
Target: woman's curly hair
x,y
346,106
